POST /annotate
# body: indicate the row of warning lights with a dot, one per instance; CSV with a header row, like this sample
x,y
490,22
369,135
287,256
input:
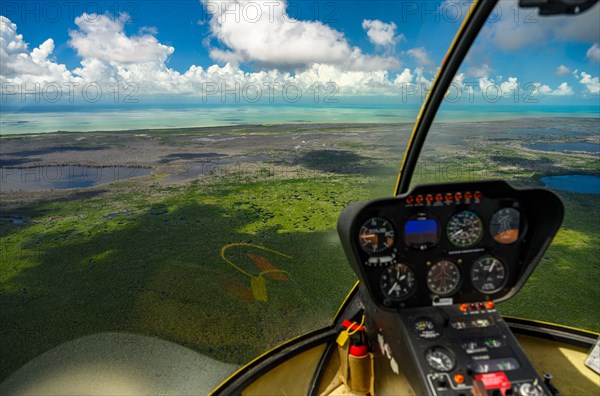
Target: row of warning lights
x,y
475,307
448,197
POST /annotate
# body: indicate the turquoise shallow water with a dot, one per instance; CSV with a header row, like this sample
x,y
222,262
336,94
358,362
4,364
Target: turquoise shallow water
x,y
574,183
42,119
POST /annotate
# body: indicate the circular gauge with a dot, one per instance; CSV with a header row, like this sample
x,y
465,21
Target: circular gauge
x,y
464,229
376,235
426,329
397,282
439,359
443,278
504,226
488,274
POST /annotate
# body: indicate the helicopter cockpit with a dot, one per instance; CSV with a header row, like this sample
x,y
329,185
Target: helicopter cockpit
x,y
214,256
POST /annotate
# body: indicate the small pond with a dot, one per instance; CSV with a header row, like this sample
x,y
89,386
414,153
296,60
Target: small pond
x,y
573,183
572,146
64,176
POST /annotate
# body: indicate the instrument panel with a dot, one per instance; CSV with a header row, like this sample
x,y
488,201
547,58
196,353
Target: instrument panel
x,y
449,243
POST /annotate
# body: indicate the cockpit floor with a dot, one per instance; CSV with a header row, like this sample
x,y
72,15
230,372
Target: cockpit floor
x,y
117,364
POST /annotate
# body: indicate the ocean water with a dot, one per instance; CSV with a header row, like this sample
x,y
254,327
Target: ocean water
x,y
43,119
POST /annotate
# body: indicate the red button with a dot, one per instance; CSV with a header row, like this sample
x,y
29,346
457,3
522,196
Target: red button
x,y
489,304
449,197
458,196
463,307
429,198
419,199
497,380
477,195
439,197
410,199
468,195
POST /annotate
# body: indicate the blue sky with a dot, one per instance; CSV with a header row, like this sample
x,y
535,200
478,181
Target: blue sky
x,y
368,49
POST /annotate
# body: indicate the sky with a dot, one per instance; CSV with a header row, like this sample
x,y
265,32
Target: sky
x,y
251,51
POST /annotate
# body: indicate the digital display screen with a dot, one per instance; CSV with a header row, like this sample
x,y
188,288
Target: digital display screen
x,y
421,231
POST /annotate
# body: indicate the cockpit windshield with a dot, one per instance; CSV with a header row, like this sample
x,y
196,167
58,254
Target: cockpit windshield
x,y
172,172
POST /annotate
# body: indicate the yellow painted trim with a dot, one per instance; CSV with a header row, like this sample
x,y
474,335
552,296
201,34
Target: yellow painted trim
x,y
339,311
259,357
291,377
435,82
552,324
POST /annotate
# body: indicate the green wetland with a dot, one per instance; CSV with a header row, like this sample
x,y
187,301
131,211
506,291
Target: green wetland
x,y
223,239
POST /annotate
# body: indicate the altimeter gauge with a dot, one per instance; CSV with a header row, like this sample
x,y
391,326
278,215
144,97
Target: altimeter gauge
x,y
488,274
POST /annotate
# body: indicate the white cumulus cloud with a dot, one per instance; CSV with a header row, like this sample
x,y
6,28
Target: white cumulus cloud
x,y
593,53
101,37
563,70
478,71
270,37
381,33
421,56
421,79
509,85
21,65
11,43
405,77
141,59
518,28
591,84
563,90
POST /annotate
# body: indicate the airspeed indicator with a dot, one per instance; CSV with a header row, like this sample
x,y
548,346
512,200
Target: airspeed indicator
x,y
464,229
